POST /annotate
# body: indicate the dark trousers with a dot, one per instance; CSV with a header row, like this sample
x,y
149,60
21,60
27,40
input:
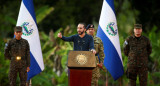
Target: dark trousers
x,y
143,76
13,76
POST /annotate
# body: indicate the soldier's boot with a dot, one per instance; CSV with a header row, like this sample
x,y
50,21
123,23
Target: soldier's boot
x,y
132,82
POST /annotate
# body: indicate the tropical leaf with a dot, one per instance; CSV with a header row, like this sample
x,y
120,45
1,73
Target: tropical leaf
x,y
42,12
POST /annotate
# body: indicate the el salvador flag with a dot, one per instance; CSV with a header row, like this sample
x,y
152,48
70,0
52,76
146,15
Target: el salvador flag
x,y
27,20
108,32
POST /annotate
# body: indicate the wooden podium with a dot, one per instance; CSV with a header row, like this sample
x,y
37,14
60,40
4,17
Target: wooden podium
x,y
80,64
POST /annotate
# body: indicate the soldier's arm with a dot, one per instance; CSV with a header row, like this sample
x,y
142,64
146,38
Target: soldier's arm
x,y
101,51
7,50
28,54
91,44
149,47
126,47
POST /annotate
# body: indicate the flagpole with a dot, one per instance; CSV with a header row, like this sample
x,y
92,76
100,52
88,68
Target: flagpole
x,y
106,78
120,81
27,20
108,32
29,83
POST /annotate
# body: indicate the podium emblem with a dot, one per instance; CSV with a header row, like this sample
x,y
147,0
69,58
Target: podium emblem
x,y
81,59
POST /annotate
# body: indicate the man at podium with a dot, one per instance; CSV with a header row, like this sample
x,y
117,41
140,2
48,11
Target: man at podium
x,y
82,41
81,75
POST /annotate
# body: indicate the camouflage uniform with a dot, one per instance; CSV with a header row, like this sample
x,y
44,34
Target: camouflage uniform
x,y
13,49
137,50
98,45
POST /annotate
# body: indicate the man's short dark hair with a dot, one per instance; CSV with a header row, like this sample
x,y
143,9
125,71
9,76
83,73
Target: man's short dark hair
x,y
83,24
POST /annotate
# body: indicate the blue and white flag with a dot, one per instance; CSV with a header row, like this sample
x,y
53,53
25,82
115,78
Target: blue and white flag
x,y
27,20
108,32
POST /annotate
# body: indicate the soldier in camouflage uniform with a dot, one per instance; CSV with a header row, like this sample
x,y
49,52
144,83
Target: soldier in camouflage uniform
x,y
98,45
137,48
17,50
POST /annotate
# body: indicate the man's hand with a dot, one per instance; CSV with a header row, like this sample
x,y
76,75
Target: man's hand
x,y
28,69
100,65
60,35
93,51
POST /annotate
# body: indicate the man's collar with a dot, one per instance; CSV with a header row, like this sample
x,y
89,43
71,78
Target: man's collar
x,y
135,36
83,36
17,39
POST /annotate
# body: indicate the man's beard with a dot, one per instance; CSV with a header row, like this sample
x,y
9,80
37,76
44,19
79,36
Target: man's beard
x,y
81,33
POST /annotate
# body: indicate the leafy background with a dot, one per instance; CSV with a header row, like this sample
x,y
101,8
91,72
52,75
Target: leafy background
x,y
54,16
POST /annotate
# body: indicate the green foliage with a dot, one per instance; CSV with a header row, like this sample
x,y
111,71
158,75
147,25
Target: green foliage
x,y
155,41
10,19
4,65
67,14
53,49
42,12
126,16
41,80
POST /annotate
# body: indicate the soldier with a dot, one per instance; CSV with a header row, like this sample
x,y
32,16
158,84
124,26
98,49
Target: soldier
x,y
98,45
17,50
137,48
82,41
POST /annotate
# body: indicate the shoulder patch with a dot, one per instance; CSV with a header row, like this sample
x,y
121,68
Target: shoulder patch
x,y
126,43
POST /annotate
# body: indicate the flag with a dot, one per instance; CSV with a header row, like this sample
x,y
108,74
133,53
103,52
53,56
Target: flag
x,y
27,20
108,32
